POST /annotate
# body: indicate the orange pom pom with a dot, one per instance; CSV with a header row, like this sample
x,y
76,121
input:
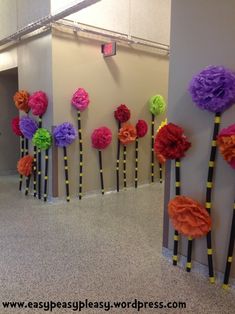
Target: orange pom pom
x,y
21,100
127,134
25,165
189,217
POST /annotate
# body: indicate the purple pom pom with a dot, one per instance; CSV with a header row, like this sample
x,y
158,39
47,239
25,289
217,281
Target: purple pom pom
x,y
213,89
64,134
28,127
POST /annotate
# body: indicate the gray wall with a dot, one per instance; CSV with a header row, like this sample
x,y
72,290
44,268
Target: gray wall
x,y
202,33
9,143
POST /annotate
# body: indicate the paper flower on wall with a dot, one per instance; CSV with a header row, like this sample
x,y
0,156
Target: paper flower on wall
x,y
64,134
189,217
42,139
141,128
122,113
226,144
213,89
21,100
127,134
28,127
15,125
170,142
25,165
38,103
157,105
101,138
80,99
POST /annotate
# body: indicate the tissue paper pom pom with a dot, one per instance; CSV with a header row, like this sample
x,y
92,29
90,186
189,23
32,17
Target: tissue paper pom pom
x,y
38,102
80,99
170,142
15,125
101,137
122,113
127,134
21,100
189,217
141,128
64,134
226,143
213,89
157,105
28,127
25,165
42,139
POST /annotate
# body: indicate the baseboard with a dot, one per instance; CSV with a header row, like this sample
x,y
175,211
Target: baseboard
x,y
197,267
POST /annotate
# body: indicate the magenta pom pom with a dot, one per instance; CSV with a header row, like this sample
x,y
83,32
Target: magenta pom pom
x,y
213,89
101,137
141,128
38,103
80,99
28,127
64,134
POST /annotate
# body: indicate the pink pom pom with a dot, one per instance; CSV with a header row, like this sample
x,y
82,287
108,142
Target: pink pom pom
x,y
101,137
38,103
80,99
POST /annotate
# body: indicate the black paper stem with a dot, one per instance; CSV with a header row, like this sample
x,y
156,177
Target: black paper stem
x,y
34,171
230,251
136,161
46,174
152,147
118,159
66,172
101,172
80,154
27,185
177,192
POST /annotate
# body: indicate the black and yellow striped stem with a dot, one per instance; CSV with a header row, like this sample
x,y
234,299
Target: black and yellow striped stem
x,y
230,251
66,172
80,154
152,147
118,159
101,172
39,165
26,150
160,172
39,172
177,192
124,166
136,161
46,174
34,171
27,185
40,122
209,192
21,155
189,254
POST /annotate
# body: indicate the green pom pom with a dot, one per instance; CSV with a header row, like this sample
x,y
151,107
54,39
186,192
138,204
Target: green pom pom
x,y
42,139
157,105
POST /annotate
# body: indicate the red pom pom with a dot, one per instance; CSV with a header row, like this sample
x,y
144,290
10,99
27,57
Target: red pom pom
x,y
15,125
170,142
101,137
141,128
122,113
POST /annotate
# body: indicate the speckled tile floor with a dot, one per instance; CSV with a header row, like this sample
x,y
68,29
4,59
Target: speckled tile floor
x,y
102,248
